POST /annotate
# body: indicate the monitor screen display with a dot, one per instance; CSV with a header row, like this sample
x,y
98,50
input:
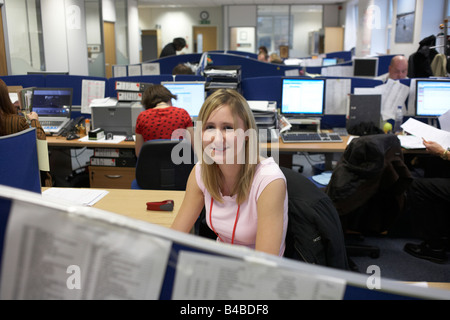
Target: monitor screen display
x,y
190,95
303,97
365,67
432,97
52,101
329,62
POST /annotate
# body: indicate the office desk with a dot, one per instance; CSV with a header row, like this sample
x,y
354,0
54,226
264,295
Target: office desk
x,y
57,141
133,204
287,149
99,176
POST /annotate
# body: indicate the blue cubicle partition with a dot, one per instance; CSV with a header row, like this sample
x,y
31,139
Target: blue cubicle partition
x,y
333,283
235,52
26,81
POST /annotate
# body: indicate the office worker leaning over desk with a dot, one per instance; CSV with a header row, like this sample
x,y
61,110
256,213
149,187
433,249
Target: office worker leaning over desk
x,y
12,122
244,196
430,203
160,119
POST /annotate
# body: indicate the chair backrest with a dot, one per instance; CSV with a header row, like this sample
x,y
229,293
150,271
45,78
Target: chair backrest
x,y
19,167
164,164
369,183
314,232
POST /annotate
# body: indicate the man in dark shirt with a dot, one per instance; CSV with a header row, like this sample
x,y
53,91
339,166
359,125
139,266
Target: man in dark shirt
x,y
171,49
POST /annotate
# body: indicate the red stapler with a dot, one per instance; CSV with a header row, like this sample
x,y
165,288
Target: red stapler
x,y
161,206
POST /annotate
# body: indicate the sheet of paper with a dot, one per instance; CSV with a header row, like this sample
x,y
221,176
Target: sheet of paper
x,y
444,121
14,97
411,142
337,92
43,159
337,71
50,254
394,94
430,133
134,70
151,69
91,90
207,277
85,197
115,139
412,99
119,71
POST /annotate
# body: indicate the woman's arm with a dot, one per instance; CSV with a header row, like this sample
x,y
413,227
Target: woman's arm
x,y
270,206
191,207
138,143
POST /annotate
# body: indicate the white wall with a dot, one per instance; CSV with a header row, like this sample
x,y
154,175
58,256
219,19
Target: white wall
x,y
176,22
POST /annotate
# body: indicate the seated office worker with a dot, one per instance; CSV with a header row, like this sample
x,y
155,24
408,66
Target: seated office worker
x,y
12,122
160,119
398,69
244,195
430,203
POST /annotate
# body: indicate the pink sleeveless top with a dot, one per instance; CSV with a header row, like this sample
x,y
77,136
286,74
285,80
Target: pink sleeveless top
x,y
223,217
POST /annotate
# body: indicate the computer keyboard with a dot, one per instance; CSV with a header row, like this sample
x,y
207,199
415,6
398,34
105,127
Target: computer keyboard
x,y
298,137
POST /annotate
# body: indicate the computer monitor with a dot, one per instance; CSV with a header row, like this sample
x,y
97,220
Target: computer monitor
x,y
52,102
432,97
190,95
303,97
329,62
365,67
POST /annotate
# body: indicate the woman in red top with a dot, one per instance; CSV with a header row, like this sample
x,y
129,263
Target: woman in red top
x,y
160,118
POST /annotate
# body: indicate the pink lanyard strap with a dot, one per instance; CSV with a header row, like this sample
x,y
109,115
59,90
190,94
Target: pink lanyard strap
x,y
235,222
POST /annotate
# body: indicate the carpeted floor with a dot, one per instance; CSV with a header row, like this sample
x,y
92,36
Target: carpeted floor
x,y
396,264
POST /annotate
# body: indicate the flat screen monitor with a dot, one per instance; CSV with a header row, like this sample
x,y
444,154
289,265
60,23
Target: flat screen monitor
x,y
365,67
303,96
52,102
329,62
432,97
190,95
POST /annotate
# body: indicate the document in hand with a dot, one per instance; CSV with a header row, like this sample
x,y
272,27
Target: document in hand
x,y
427,132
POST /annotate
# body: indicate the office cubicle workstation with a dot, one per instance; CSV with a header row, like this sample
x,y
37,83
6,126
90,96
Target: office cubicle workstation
x,y
164,265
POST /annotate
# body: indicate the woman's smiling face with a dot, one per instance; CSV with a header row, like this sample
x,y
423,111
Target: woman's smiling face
x,y
223,139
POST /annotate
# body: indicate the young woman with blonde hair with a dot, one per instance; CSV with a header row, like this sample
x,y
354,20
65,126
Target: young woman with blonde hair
x,y
244,195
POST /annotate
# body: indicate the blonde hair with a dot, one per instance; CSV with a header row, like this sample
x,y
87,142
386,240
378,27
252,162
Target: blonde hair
x,y
211,174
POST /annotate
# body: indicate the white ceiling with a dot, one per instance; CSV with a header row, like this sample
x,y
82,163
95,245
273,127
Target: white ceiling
x,y
214,3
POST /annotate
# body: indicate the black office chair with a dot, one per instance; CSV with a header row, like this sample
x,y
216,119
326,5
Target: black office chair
x,y
368,188
164,165
314,232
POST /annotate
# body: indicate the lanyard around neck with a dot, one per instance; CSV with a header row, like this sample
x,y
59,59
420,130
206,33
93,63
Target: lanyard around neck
x,y
235,222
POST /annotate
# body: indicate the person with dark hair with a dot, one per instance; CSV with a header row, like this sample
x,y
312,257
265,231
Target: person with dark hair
x,y
160,119
171,49
12,122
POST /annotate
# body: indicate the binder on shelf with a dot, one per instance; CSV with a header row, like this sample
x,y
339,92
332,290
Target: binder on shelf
x,y
113,161
113,153
132,86
129,96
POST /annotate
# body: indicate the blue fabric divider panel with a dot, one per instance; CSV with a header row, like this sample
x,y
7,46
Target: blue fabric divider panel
x,y
383,64
25,81
19,166
345,55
